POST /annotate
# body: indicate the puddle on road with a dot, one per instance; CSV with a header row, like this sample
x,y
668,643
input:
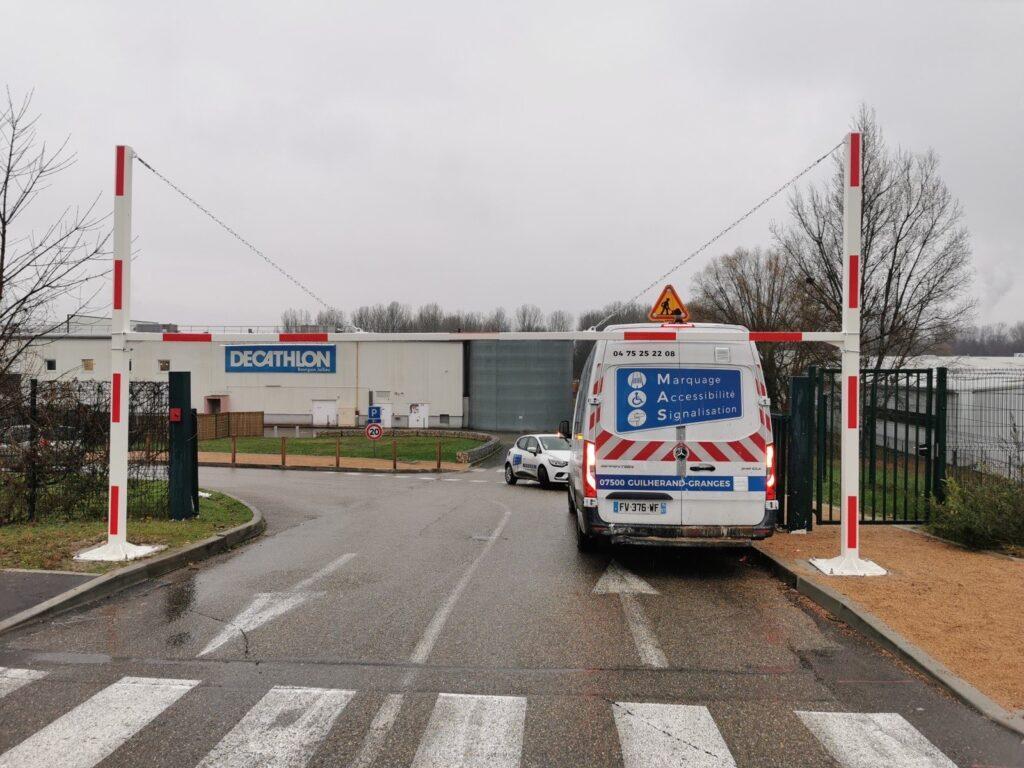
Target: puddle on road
x,y
180,599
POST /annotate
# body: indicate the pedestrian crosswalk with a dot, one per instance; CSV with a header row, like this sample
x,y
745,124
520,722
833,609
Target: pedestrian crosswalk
x,y
288,726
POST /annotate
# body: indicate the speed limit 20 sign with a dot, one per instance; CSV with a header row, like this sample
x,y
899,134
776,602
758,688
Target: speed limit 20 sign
x,y
374,431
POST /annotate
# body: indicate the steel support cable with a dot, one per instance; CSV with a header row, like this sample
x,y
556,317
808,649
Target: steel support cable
x,y
721,234
233,233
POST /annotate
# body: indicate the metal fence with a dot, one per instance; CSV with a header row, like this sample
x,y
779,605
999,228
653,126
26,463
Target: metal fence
x,y
902,424
985,423
54,447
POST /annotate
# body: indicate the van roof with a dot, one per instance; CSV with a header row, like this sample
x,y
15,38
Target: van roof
x,y
696,327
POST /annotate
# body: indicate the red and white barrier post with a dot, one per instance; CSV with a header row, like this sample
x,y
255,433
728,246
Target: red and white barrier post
x,y
117,546
849,563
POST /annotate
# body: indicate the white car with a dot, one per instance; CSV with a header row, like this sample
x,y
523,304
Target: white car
x,y
544,458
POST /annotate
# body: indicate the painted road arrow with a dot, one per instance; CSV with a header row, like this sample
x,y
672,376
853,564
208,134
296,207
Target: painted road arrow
x,y
627,585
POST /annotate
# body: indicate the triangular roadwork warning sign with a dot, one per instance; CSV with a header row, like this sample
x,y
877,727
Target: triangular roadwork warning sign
x,y
669,308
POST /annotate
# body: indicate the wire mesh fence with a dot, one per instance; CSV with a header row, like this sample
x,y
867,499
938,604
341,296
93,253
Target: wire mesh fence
x,y
54,448
985,418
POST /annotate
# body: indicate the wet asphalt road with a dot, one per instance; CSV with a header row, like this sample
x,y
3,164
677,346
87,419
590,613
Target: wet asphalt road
x,y
392,593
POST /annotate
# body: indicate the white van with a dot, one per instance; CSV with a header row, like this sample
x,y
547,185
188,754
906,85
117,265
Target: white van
x,y
672,439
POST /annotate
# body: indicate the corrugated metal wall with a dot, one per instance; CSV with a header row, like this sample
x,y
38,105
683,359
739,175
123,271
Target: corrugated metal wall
x,y
519,386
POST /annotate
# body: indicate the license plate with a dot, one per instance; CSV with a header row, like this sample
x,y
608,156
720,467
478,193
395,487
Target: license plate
x,y
640,507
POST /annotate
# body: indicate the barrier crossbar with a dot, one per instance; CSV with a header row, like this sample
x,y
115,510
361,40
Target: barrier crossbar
x,y
848,562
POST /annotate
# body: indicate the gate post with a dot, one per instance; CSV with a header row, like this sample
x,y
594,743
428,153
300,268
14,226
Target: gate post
x,y
180,451
939,459
801,454
849,563
117,546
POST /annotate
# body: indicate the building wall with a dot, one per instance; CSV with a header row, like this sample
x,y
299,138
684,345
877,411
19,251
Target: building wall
x,y
519,386
399,373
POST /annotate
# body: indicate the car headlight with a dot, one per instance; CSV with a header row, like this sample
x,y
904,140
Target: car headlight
x,y
558,463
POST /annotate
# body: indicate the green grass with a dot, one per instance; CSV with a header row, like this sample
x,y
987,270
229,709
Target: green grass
x,y
410,447
52,544
892,495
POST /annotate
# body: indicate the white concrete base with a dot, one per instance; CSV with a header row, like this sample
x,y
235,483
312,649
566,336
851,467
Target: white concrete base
x,y
847,565
114,551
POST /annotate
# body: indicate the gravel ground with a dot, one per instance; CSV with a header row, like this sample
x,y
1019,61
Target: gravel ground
x,y
961,607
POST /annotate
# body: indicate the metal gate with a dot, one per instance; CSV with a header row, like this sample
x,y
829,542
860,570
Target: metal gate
x,y
902,445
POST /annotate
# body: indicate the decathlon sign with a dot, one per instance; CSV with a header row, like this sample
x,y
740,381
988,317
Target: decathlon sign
x,y
281,358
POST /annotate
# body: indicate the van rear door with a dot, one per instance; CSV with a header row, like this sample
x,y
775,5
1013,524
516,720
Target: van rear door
x,y
637,477
683,428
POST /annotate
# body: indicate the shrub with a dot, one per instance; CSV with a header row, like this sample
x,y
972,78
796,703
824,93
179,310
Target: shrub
x,y
984,512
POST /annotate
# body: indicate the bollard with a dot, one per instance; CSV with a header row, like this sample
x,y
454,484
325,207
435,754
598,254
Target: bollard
x,y
337,451
394,452
275,430
296,430
284,450
234,449
439,454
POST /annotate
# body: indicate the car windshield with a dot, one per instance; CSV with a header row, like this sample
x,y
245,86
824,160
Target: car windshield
x,y
553,443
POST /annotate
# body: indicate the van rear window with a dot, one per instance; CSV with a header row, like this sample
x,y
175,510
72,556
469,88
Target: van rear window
x,y
649,398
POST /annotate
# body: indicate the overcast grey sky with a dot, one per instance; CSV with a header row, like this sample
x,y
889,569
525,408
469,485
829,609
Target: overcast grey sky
x,y
481,154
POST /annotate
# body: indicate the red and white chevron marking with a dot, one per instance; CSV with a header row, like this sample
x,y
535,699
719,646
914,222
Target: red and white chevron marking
x,y
595,413
751,448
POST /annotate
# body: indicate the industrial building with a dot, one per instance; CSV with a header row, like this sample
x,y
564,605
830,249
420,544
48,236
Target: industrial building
x,y
515,385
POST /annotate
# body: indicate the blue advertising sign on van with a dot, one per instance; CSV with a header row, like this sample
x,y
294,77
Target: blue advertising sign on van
x,y
281,358
648,398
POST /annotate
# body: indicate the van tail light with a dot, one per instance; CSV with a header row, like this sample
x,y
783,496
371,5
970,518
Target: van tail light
x,y
770,484
589,468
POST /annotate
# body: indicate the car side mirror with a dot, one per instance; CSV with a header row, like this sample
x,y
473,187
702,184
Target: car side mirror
x,y
564,429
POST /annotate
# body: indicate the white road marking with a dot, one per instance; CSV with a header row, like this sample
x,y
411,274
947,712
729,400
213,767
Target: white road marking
x,y
643,636
12,679
96,727
281,731
264,607
670,736
327,570
433,630
473,732
451,479
383,721
269,605
480,481
617,579
873,740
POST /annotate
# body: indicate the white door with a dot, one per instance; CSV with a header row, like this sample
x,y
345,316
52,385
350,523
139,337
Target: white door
x,y
419,415
325,413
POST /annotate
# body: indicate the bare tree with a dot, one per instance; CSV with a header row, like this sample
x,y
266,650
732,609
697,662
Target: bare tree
x,y
39,269
915,252
763,292
429,318
393,317
560,320
296,320
528,317
331,320
497,321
